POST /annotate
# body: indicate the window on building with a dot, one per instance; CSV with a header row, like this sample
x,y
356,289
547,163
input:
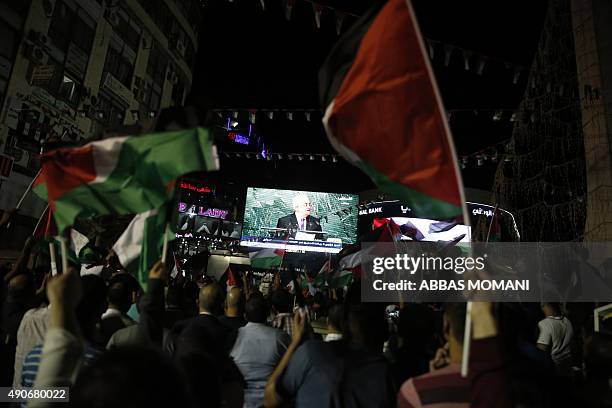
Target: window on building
x,y
191,10
71,24
178,92
119,66
8,47
60,29
128,33
69,90
189,54
159,13
157,64
63,85
109,113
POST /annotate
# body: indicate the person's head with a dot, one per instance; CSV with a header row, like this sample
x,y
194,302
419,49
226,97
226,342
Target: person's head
x,y
92,304
21,288
551,309
123,291
281,301
211,299
131,376
234,303
256,310
416,325
366,323
335,319
454,327
301,206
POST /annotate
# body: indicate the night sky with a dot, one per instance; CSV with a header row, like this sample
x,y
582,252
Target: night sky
x,y
250,58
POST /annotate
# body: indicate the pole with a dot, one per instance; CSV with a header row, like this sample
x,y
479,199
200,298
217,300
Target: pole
x,y
18,206
53,259
491,223
40,219
64,249
466,335
165,246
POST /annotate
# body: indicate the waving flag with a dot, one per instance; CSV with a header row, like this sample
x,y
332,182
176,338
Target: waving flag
x,y
142,241
122,175
383,112
267,258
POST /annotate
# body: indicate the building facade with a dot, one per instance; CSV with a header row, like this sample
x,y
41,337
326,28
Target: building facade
x,y
71,70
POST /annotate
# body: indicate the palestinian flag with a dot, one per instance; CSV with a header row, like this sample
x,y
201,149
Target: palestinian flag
x,y
121,175
140,245
341,279
384,114
267,258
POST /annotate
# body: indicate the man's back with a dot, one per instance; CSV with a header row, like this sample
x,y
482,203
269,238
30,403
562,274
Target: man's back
x,y
256,352
331,375
440,388
557,333
203,333
232,322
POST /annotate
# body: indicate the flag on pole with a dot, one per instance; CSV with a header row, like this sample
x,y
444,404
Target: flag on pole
x,y
121,175
383,112
142,240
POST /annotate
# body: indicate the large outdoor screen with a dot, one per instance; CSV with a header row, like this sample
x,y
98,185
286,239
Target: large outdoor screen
x,y
299,220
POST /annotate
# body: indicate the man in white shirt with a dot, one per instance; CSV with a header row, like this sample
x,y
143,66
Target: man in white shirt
x,y
556,335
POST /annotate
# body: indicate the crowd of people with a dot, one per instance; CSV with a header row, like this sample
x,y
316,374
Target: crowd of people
x,y
200,343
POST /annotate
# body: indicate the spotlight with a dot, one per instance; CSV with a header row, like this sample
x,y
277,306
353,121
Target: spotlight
x,y
300,158
312,157
334,159
234,123
323,158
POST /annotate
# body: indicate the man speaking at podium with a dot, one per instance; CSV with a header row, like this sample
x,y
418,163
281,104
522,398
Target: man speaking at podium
x,y
300,220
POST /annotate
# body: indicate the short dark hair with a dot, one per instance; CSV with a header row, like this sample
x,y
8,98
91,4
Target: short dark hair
x,y
120,296
282,301
257,309
555,306
455,315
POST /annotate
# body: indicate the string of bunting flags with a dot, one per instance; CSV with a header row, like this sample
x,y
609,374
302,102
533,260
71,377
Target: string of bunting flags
x,y
472,60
